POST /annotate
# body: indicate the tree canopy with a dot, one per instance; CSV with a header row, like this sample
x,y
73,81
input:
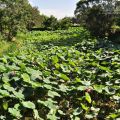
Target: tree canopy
x,y
13,17
97,15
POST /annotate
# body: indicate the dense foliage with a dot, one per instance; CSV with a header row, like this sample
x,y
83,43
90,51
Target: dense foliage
x,y
51,23
64,75
98,15
35,18
17,15
65,23
13,14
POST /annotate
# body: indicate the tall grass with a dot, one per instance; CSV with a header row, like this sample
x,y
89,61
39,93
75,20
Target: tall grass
x,y
10,46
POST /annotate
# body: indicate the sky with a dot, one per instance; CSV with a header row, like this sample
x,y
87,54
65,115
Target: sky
x,y
58,8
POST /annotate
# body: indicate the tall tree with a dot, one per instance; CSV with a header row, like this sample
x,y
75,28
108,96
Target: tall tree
x,y
14,14
65,22
97,15
50,22
35,20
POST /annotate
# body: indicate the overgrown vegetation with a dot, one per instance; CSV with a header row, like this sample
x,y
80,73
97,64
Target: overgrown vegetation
x,y
65,73
98,16
19,15
13,15
68,77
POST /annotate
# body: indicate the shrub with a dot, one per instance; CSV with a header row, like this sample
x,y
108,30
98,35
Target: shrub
x,y
65,23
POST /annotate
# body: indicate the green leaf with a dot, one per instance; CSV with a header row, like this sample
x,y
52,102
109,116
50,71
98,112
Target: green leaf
x,y
105,68
49,103
77,80
71,63
12,67
36,115
7,87
16,106
33,72
86,83
5,105
64,77
61,112
18,95
29,105
99,88
96,110
5,78
22,66
4,60
113,115
77,118
26,77
63,88
84,107
14,112
77,111
57,65
55,59
89,116
2,117
46,73
65,68
82,88
87,97
53,94
61,75
49,87
52,115
35,84
2,68
109,90
116,97
4,93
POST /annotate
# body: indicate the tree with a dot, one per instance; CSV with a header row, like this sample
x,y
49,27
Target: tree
x,y
98,22
35,19
50,23
13,17
65,23
97,15
117,12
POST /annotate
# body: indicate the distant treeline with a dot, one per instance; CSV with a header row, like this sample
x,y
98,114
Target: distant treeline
x,y
52,23
100,17
19,15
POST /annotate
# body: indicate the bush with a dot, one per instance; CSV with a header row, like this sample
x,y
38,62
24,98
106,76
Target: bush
x,y
115,34
65,23
97,15
98,22
50,23
13,17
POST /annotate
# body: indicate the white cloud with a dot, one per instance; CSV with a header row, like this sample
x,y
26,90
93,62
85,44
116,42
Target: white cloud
x,y
57,13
